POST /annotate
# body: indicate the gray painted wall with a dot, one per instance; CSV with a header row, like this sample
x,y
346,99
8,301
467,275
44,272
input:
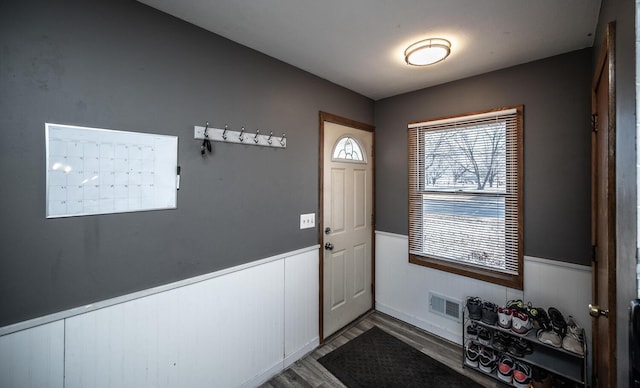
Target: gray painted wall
x,y
123,65
623,12
555,93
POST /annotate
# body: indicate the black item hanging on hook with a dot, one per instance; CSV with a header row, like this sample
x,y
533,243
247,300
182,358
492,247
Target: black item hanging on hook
x,y
206,143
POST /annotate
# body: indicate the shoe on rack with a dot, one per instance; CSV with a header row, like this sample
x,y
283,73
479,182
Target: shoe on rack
x,y
540,378
520,322
541,320
537,316
516,304
501,341
550,337
489,313
558,324
504,317
573,340
474,305
521,375
484,336
472,331
472,354
488,360
519,347
505,369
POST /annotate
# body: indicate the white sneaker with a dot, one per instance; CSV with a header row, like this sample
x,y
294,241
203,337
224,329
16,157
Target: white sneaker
x,y
573,341
504,317
550,337
520,323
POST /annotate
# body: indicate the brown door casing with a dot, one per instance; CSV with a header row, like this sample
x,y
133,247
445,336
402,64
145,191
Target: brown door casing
x,y
604,215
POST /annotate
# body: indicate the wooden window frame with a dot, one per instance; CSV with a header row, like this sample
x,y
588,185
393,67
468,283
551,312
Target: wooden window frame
x,y
473,271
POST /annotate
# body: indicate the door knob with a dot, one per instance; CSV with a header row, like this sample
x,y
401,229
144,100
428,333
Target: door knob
x,y
595,311
328,246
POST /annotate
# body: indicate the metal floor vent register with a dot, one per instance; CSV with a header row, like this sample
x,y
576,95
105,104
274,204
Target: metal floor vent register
x,y
445,306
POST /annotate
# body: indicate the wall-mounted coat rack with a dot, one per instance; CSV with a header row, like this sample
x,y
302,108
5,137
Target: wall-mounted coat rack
x,y
226,135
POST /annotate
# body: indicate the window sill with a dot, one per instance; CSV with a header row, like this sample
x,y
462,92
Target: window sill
x,y
511,281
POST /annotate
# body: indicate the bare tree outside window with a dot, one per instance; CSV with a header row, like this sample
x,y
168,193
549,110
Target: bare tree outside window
x,y
465,160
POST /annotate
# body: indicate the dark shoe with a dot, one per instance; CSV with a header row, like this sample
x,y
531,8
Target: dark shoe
x,y
501,341
540,378
474,305
521,375
472,331
489,313
519,347
471,354
540,319
505,368
516,304
558,324
484,336
488,360
524,345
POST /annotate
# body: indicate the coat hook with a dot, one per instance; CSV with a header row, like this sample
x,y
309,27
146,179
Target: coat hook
x,y
224,133
206,143
270,136
240,136
255,138
282,139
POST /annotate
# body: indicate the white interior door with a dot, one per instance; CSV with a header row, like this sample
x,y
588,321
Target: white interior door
x,y
347,225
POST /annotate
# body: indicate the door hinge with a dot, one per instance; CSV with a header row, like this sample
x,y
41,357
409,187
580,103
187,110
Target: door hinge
x,y
593,253
373,220
594,122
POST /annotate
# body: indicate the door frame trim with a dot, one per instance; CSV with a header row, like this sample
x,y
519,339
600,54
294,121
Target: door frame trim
x,y
607,58
329,117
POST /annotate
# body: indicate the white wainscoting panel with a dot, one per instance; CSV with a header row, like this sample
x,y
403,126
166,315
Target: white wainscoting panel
x,y
211,334
402,288
33,358
301,311
235,328
564,286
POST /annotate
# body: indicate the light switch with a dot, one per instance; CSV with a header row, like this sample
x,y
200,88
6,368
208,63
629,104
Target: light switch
x,y
307,220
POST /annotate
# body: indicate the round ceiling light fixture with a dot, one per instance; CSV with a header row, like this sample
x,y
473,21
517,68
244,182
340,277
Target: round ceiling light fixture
x,y
427,52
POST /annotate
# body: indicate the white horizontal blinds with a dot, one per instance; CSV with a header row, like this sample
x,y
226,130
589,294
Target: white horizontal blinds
x,y
416,188
464,190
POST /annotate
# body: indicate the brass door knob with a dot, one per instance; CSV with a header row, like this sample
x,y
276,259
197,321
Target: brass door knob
x,y
595,311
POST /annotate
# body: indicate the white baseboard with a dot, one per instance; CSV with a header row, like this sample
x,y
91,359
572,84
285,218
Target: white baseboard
x,y
264,376
306,349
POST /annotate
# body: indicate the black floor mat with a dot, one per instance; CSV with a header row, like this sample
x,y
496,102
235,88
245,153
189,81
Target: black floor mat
x,y
376,359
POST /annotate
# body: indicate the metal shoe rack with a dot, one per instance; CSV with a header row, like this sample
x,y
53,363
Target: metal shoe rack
x,y
557,361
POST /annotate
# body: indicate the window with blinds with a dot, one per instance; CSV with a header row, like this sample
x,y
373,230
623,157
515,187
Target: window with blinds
x,y
465,202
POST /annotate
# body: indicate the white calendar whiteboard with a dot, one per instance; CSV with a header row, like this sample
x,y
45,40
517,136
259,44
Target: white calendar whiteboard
x,y
101,171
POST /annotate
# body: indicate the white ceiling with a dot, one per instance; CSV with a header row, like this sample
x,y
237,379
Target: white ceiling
x,y
359,44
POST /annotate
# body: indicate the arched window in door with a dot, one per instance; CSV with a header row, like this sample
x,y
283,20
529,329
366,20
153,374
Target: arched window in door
x,y
348,149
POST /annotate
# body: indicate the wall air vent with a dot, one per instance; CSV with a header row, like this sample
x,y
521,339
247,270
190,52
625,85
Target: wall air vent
x,y
445,306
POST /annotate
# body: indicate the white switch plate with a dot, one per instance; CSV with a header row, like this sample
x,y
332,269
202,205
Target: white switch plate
x,y
307,220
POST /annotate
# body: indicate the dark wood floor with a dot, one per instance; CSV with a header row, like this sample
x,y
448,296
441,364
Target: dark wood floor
x,y
308,372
